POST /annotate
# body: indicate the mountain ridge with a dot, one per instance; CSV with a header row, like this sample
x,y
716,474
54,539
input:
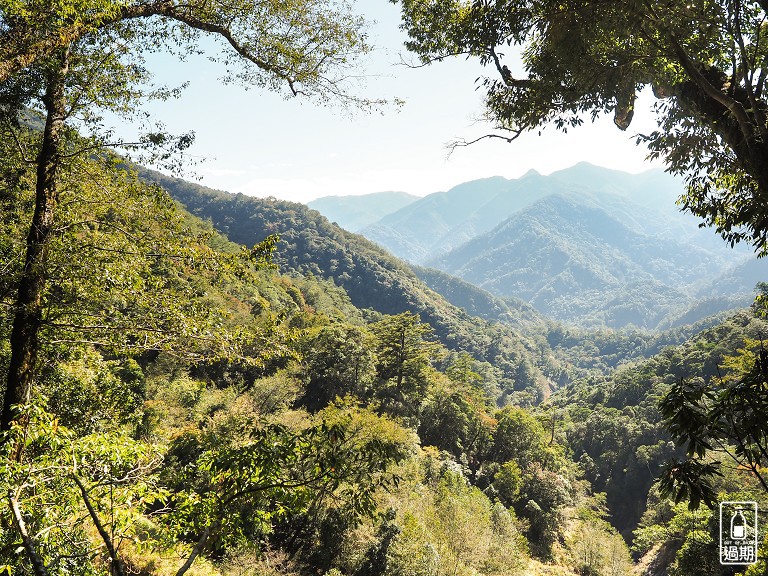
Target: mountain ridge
x,y
373,279
642,262
356,212
570,259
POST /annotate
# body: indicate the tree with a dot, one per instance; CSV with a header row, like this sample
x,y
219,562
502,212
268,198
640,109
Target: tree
x,y
67,488
704,60
302,44
402,362
109,263
338,361
723,419
305,45
70,278
214,489
720,420
521,438
454,420
231,485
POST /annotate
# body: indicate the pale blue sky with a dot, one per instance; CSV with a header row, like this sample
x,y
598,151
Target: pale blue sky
x,y
260,143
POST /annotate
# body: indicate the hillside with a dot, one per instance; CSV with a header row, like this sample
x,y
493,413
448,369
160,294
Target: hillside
x,y
478,302
324,433
311,390
576,263
586,245
524,368
445,220
613,421
356,212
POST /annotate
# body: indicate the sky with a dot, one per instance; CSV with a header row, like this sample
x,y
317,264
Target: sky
x,y
263,144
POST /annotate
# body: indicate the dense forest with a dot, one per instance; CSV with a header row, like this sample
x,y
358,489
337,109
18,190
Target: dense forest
x,y
340,431
211,384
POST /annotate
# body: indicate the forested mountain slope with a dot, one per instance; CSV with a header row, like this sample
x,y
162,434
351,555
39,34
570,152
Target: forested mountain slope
x,y
613,423
575,262
329,438
338,438
445,220
582,351
586,245
479,302
374,279
442,221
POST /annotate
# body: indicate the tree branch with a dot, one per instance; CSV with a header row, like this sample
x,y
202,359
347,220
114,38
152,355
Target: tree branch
x,y
196,550
461,143
38,566
757,110
117,565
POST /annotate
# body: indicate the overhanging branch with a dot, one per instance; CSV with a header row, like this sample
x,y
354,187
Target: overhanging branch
x,y
462,143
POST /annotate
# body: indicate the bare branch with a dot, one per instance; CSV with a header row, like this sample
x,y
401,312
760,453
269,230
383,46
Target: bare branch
x,y
428,61
461,143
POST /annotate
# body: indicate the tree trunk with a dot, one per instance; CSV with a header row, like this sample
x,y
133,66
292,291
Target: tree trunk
x,y
743,138
29,300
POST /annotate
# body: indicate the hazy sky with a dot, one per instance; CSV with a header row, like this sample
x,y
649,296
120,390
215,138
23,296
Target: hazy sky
x,y
260,143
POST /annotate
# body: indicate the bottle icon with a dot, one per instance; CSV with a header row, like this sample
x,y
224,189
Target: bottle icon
x,y
738,525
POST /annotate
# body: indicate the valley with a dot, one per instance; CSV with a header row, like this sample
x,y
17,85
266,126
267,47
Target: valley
x,y
455,373
586,246
526,407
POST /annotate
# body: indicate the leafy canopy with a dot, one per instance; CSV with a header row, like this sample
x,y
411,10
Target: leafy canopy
x,y
720,421
308,46
704,61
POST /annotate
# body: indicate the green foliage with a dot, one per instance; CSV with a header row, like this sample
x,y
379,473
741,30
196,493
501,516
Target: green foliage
x,y
59,475
728,416
90,393
236,488
124,270
372,278
449,527
227,476
595,548
613,423
402,362
543,495
691,538
455,420
578,60
521,438
179,379
339,360
507,482
301,47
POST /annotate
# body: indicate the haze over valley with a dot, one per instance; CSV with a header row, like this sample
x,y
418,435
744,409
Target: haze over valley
x,y
587,246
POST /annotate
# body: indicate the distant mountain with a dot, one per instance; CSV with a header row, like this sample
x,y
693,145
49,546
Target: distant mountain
x,y
444,220
576,263
356,212
739,279
440,222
